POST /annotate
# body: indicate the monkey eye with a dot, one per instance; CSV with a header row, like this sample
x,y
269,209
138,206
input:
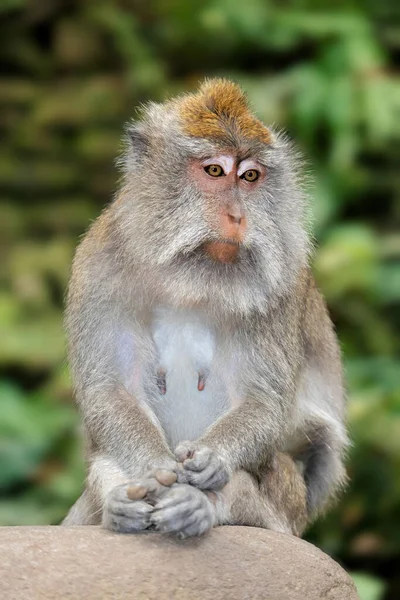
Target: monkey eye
x,y
250,175
214,170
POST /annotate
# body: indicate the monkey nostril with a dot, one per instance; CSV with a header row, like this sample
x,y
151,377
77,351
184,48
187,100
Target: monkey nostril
x,y
235,219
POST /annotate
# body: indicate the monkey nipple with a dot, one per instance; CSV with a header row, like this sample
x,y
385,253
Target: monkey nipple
x,y
162,381
201,382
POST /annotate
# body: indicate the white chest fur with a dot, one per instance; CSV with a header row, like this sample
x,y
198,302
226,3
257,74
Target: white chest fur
x,y
192,374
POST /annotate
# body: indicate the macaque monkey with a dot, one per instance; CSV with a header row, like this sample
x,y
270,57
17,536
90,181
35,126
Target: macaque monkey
x,y
206,367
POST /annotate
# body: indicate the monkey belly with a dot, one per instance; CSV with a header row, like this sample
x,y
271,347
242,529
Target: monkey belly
x,y
191,392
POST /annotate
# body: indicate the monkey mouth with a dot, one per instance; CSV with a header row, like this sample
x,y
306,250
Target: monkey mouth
x,y
224,251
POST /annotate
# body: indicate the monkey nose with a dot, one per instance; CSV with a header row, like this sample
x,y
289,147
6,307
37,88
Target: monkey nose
x,y
235,219
233,224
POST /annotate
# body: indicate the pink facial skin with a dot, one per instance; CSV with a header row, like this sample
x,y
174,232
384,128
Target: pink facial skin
x,y
225,161
225,209
249,164
233,170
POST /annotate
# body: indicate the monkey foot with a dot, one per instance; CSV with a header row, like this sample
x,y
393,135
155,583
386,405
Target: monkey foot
x,y
159,503
184,511
127,509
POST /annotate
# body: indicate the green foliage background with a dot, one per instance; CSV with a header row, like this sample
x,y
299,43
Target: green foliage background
x,y
72,74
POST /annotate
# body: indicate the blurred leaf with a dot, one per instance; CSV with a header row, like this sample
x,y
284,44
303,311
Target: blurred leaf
x,y
368,587
28,428
326,73
348,261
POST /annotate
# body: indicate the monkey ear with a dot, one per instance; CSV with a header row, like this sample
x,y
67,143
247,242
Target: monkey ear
x,y
137,140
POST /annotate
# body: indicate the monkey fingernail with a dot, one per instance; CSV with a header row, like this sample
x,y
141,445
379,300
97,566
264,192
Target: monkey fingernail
x,y
201,384
162,381
165,477
136,492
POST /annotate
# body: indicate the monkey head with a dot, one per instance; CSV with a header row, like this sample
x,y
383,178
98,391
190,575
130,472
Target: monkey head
x,y
212,203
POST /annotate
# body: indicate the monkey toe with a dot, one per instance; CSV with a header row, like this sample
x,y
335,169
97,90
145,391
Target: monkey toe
x,y
185,511
171,521
132,491
198,525
127,517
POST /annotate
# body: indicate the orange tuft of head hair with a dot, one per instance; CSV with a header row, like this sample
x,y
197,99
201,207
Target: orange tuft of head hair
x,y
220,110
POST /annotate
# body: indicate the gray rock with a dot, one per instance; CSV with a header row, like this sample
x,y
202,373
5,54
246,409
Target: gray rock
x,y
232,563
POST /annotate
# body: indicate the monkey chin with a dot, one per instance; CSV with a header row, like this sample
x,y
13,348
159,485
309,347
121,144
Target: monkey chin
x,y
224,252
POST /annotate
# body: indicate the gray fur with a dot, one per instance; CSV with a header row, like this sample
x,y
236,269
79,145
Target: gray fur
x,y
273,345
185,511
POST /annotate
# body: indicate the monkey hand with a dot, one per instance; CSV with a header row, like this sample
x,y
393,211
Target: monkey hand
x,y
202,467
184,511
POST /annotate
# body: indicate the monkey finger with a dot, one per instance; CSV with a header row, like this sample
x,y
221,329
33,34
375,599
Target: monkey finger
x,y
185,450
167,463
154,495
149,483
182,476
214,477
135,491
196,463
199,460
119,494
164,477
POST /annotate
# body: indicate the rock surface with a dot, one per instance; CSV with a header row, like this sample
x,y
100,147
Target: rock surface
x,y
232,563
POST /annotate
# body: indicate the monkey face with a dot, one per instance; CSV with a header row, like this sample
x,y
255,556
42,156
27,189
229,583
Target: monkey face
x,y
224,180
216,223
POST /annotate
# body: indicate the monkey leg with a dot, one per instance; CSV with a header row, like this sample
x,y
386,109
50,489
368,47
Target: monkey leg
x,y
103,476
275,499
83,512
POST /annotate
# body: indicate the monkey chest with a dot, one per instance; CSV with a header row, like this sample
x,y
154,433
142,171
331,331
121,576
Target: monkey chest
x,y
195,377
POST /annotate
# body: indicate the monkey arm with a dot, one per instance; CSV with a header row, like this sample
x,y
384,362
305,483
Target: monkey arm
x,y
115,422
118,427
250,434
102,363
